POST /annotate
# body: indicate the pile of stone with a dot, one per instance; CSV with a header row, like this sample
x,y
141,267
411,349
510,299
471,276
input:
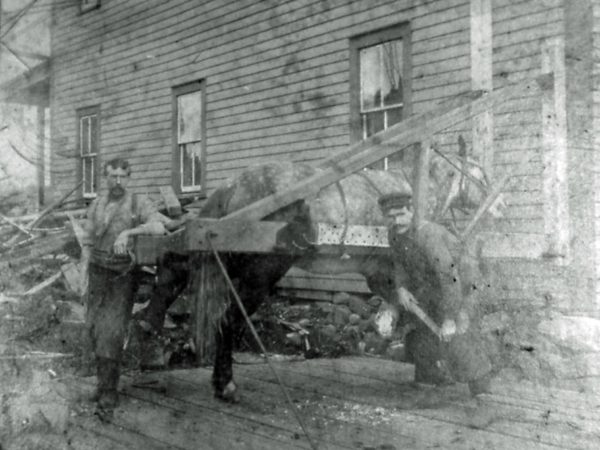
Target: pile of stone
x,y
343,326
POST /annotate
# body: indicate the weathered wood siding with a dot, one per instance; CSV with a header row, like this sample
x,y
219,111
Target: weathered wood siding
x,y
596,141
277,76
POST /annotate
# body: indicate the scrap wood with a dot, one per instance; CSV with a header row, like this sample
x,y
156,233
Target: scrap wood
x,y
171,201
59,213
44,284
41,246
294,326
14,224
77,229
5,299
72,273
53,206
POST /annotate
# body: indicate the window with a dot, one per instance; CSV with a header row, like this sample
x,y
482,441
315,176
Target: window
x,y
189,154
379,81
88,5
88,120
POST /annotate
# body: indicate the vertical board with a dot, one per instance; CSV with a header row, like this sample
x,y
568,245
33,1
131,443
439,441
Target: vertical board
x,y
482,79
554,141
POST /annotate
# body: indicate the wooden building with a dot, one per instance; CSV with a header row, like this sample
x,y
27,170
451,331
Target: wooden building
x,y
195,91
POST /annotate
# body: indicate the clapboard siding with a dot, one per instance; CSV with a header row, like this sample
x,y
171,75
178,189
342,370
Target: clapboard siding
x,y
231,53
596,128
253,102
518,28
277,81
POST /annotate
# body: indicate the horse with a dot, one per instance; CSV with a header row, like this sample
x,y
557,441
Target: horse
x,y
350,201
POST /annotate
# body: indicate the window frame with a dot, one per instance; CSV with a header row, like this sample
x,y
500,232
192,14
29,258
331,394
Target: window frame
x,y
357,43
176,91
82,113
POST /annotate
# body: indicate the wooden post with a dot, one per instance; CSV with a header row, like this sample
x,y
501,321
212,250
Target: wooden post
x,y
482,79
554,148
41,162
421,183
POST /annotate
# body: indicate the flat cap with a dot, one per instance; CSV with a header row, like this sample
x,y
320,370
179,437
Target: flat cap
x,y
394,200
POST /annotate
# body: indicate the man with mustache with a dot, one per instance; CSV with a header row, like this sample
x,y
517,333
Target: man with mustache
x,y
426,272
112,218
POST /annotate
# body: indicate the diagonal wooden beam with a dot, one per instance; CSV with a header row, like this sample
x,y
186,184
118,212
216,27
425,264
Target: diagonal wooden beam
x,y
415,129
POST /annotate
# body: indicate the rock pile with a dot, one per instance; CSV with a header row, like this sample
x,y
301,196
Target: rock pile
x,y
343,326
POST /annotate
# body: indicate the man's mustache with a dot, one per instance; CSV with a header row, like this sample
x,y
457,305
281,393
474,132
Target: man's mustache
x,y
399,227
117,191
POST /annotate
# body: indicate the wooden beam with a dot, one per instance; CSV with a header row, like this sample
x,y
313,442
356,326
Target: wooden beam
x,y
41,165
171,201
482,79
369,151
421,184
149,248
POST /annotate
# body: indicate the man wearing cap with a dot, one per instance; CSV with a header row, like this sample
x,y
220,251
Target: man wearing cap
x,y
426,272
112,218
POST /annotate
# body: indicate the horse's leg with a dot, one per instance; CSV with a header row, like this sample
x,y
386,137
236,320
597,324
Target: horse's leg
x,y
222,379
257,276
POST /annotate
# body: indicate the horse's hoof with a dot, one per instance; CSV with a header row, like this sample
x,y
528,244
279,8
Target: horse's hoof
x,y
229,393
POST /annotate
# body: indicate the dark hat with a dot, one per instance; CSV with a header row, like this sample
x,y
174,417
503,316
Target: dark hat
x,y
394,200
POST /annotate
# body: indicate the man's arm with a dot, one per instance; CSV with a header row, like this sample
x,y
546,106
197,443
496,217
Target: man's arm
x,y
151,224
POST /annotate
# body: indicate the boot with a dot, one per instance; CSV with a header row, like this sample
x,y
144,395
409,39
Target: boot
x,y
153,356
480,414
108,381
480,385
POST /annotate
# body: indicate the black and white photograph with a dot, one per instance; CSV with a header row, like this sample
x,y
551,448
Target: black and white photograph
x,y
299,224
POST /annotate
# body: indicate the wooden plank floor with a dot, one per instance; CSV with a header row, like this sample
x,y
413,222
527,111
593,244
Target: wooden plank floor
x,y
347,403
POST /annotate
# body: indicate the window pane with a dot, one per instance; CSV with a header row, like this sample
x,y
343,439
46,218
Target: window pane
x,y
94,134
186,166
84,135
88,175
197,164
189,117
392,72
190,164
373,122
394,115
370,78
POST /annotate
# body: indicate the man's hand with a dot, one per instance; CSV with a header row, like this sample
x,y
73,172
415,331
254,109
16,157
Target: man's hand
x,y
405,298
448,330
120,247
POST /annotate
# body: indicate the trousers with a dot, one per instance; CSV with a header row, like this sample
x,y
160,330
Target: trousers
x,y
109,307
